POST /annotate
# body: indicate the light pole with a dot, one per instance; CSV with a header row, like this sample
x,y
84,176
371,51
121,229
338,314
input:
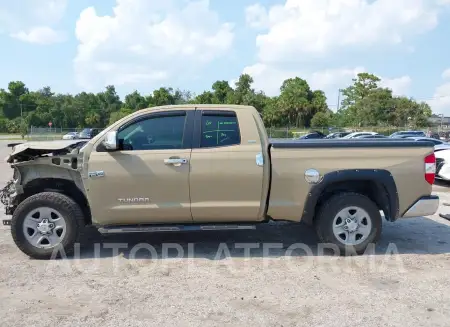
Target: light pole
x,y
339,99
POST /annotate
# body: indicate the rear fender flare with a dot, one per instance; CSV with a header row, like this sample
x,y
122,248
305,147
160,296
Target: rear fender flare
x,y
385,194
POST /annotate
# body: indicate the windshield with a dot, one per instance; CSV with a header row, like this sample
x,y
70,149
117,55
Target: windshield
x,y
351,135
409,133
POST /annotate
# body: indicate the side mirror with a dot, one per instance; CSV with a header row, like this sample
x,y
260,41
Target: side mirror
x,y
110,141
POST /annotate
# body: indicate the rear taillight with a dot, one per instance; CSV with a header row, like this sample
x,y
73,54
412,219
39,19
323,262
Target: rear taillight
x,y
430,168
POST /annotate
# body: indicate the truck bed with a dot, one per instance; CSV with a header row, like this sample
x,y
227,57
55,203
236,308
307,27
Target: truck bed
x,y
348,143
398,160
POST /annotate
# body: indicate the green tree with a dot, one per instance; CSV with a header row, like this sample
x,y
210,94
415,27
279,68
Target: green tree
x,y
11,99
115,116
319,101
23,128
321,119
243,91
364,103
409,112
206,97
294,100
135,101
222,92
182,96
362,85
367,104
163,96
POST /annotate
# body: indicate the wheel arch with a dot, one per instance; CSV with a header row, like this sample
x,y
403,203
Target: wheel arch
x,y
377,185
59,185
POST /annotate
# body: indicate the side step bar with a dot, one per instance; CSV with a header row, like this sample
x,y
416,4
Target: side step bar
x,y
178,228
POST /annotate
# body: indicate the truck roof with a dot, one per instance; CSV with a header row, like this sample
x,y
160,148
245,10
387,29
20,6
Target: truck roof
x,y
200,106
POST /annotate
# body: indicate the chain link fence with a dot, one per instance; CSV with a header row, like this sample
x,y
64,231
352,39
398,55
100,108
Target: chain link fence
x,y
286,132
57,133
49,133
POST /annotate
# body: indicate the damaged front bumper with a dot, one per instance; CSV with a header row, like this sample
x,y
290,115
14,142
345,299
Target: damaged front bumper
x,y
7,196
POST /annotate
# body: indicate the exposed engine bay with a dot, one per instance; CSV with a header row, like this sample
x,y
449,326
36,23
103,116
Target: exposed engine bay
x,y
42,164
6,192
31,150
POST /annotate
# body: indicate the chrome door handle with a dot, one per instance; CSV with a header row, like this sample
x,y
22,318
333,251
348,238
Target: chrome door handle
x,y
175,161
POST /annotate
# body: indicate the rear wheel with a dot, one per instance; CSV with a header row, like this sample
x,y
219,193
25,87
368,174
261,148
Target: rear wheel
x,y
351,221
46,225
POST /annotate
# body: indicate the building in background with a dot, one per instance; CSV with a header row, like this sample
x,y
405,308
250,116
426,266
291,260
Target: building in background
x,y
439,121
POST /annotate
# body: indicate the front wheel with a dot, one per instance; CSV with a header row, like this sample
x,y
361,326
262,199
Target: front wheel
x,y
47,225
349,220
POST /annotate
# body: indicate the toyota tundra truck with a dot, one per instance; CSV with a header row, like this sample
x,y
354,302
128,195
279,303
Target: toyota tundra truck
x,y
211,167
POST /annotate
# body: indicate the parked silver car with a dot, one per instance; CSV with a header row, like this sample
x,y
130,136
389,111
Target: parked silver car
x,y
70,136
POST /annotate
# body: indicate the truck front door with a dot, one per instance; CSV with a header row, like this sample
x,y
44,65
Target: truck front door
x,y
226,180
147,179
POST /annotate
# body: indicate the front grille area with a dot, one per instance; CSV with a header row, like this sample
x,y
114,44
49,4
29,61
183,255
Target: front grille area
x,y
439,163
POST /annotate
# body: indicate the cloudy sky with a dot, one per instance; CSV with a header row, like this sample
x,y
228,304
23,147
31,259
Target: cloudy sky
x,y
75,45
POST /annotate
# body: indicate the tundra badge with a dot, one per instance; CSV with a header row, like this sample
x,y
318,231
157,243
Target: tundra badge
x,y
133,200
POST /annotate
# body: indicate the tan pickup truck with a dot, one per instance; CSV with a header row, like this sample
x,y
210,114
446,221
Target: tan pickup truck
x,y
211,167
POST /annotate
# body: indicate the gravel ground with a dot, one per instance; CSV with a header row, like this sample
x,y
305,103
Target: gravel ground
x,y
205,279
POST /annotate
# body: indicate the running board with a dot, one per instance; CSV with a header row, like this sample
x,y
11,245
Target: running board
x,y
178,228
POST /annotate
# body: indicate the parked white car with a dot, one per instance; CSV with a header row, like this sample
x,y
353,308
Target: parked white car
x,y
442,154
357,134
428,139
70,136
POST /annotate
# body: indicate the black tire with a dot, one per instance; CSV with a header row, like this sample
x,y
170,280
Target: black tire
x,y
328,211
71,213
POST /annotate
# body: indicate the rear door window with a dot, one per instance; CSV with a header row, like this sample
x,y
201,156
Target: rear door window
x,y
219,130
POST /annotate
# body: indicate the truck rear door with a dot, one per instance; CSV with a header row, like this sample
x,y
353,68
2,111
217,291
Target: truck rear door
x,y
226,179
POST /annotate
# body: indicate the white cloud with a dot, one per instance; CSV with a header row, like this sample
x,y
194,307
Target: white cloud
x,y
269,79
148,41
399,86
300,29
334,78
256,16
440,102
299,32
33,20
446,73
40,35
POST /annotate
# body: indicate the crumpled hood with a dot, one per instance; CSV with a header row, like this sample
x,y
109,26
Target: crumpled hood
x,y
37,148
